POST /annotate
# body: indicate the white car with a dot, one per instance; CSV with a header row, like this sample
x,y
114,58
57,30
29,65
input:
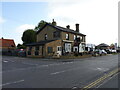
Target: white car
x,y
113,51
104,52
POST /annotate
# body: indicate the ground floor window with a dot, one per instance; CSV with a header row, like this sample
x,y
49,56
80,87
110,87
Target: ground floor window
x,y
50,49
37,52
81,48
29,52
67,47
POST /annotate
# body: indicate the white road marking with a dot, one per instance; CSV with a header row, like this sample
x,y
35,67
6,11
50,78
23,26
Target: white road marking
x,y
12,82
102,69
29,63
38,66
57,72
64,71
5,61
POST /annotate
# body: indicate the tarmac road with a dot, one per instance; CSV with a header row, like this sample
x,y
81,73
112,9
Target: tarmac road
x,y
20,72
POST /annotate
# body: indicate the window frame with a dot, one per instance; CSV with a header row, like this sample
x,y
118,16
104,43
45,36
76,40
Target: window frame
x,y
49,50
67,36
46,36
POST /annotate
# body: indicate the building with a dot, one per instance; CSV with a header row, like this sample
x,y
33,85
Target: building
x,y
7,45
53,39
102,46
90,47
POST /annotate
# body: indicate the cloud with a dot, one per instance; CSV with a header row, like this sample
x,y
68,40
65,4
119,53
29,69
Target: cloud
x,y
24,27
2,20
19,31
97,20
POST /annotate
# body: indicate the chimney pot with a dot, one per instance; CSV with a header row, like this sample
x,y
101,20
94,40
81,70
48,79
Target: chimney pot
x,y
68,26
77,27
54,23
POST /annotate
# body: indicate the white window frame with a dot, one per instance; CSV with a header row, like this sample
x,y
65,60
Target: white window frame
x,y
67,47
67,36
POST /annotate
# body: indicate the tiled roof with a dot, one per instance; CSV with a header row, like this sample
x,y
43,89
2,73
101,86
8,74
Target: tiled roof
x,y
7,43
40,43
61,29
103,45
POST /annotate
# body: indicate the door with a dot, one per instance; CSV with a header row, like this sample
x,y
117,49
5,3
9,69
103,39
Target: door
x,y
59,50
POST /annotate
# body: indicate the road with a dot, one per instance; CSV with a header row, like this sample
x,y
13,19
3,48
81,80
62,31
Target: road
x,y
111,82
20,72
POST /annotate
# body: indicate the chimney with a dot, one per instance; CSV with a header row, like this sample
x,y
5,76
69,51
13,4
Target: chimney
x,y
68,26
77,27
54,23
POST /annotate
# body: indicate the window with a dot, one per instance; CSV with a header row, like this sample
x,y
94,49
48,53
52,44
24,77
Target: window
x,y
67,47
29,52
79,38
36,52
50,50
45,36
58,48
67,36
74,37
56,34
30,48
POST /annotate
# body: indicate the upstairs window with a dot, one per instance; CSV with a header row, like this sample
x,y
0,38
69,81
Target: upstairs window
x,y
74,37
56,34
79,38
46,36
67,36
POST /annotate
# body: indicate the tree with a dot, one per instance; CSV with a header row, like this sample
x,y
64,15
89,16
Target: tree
x,y
29,36
40,25
112,46
20,46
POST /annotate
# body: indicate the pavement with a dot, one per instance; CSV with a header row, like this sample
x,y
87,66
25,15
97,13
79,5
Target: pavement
x,y
20,72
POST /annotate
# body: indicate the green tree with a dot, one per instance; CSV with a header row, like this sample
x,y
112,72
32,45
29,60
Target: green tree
x,y
20,46
29,36
40,25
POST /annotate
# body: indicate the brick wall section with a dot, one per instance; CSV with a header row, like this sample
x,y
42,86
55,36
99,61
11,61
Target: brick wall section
x,y
53,44
33,52
47,30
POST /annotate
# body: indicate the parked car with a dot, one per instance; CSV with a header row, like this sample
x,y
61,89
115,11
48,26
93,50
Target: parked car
x,y
113,51
22,53
104,52
108,51
99,52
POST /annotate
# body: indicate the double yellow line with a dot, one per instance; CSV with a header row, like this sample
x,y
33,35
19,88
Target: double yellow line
x,y
91,85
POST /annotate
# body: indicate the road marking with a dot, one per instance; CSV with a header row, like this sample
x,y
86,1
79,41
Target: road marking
x,y
29,63
54,73
5,61
101,79
12,82
37,66
103,69
57,72
106,80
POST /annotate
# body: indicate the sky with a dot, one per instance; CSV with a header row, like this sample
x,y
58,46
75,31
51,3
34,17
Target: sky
x,y
98,19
